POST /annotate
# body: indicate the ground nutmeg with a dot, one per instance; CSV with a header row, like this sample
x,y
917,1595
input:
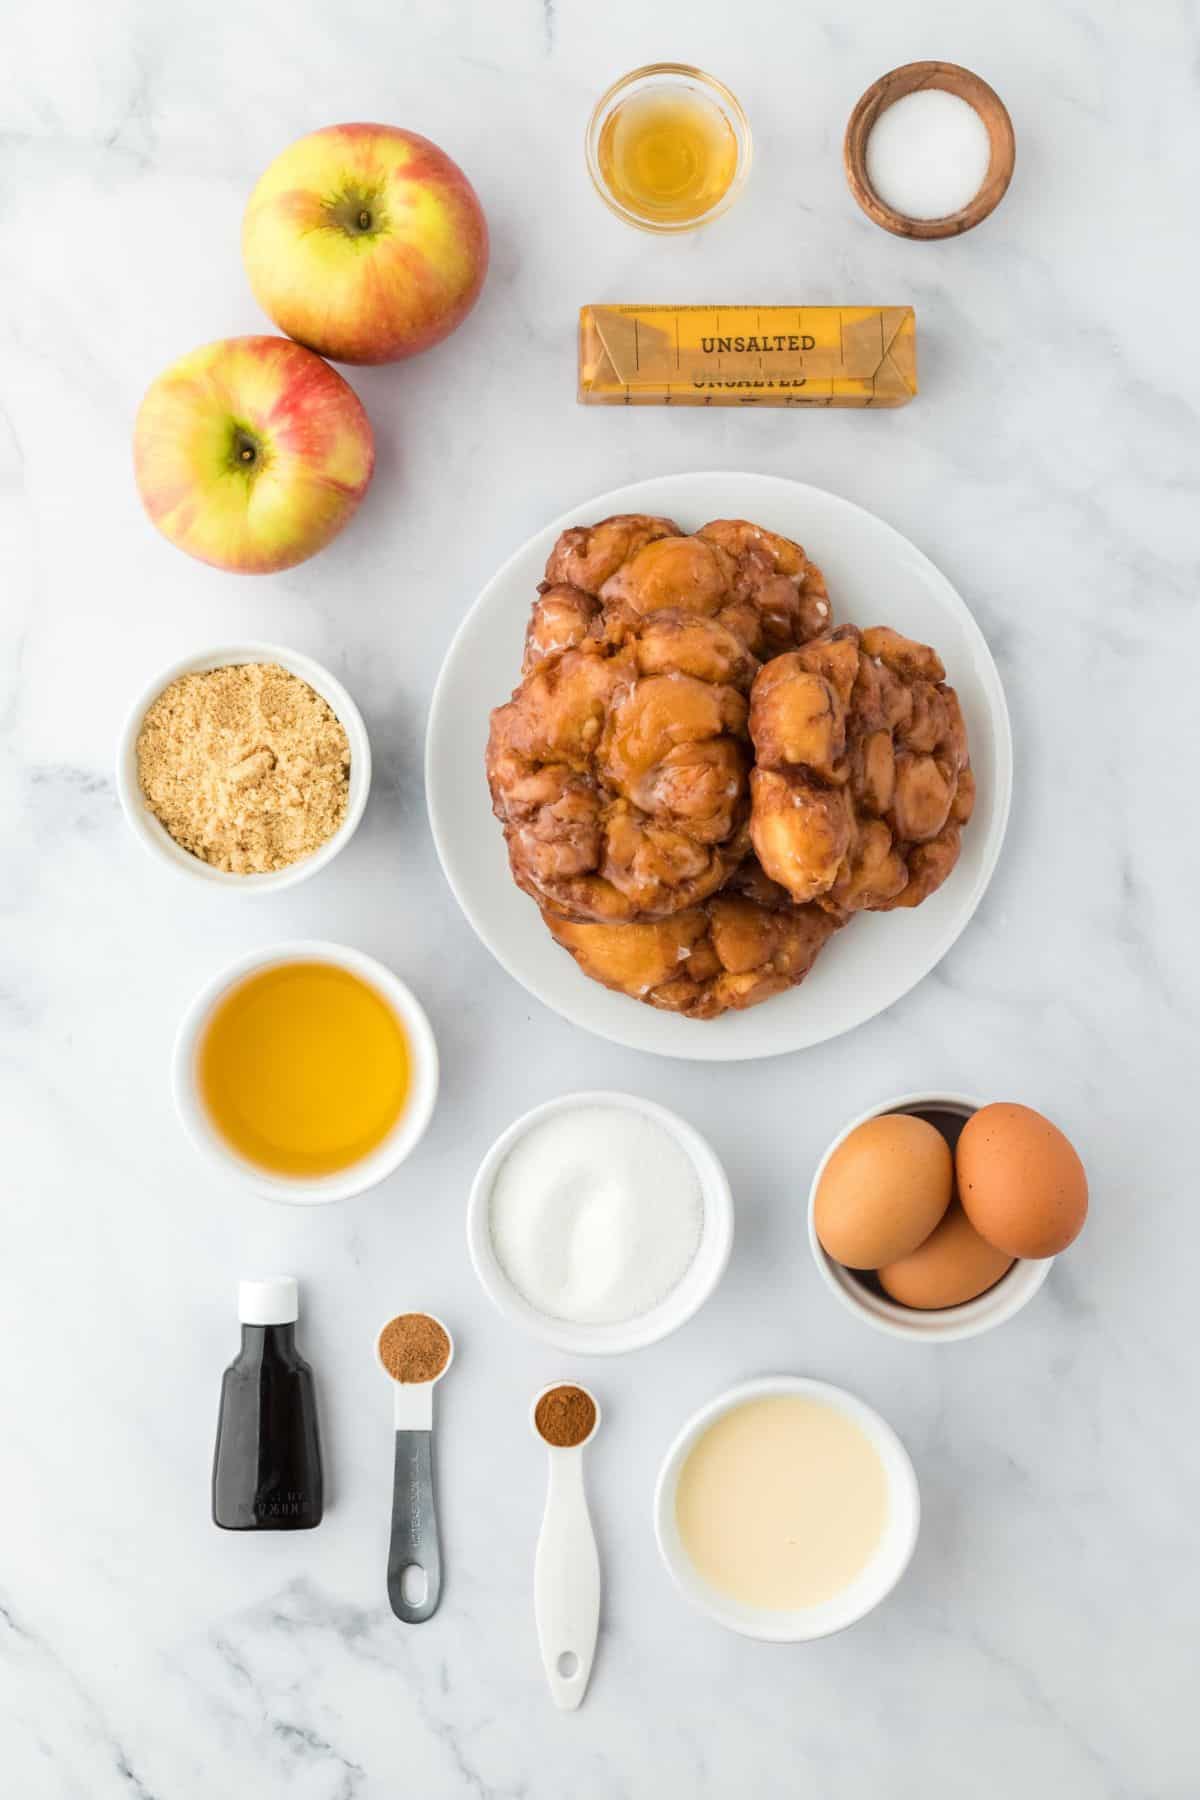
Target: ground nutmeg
x,y
565,1416
413,1347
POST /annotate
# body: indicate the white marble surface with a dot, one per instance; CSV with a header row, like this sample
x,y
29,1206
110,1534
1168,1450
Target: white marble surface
x,y
1044,1640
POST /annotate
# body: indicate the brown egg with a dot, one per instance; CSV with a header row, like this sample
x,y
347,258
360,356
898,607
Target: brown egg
x,y
953,1265
1021,1182
883,1191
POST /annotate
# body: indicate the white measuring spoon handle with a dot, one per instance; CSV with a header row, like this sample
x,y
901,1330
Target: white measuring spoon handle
x,y
566,1582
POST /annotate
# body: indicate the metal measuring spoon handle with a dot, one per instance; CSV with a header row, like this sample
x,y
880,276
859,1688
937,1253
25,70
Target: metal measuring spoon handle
x,y
414,1540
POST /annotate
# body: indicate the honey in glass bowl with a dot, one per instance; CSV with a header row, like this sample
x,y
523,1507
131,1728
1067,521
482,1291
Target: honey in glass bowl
x,y
668,147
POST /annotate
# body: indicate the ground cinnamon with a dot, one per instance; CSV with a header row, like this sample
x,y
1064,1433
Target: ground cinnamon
x,y
565,1416
413,1347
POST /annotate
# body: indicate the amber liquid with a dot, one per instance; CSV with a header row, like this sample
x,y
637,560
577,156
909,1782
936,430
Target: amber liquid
x,y
304,1069
667,154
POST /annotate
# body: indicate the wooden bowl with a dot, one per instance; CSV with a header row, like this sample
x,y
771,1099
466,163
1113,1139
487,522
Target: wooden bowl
x,y
955,80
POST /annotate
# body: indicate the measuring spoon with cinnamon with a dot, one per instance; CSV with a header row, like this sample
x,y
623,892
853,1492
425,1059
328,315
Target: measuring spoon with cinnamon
x,y
415,1350
566,1572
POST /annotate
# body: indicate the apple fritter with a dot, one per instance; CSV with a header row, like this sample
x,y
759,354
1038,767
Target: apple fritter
x,y
737,949
619,769
862,779
585,556
774,576
561,618
756,584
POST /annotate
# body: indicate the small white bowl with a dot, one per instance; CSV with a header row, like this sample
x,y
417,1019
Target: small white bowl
x,y
677,1307
401,1141
159,842
948,1323
864,1593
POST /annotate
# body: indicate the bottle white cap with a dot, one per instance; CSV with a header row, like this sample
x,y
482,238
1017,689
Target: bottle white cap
x,y
274,1301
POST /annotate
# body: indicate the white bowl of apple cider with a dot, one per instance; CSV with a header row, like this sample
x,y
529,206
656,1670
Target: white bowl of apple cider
x,y
308,1070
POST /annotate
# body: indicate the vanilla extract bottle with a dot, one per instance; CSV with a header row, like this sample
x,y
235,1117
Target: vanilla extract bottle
x,y
267,1465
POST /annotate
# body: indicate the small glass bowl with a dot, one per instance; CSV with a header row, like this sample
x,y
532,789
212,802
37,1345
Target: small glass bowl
x,y
686,79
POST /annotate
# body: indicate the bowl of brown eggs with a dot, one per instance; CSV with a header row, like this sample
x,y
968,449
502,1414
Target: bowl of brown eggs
x,y
937,1216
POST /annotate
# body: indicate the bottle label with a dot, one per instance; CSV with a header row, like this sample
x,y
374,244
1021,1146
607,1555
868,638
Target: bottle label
x,y
285,1503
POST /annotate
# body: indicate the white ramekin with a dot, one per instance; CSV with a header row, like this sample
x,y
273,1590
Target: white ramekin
x,y
865,1592
401,1141
1010,1294
677,1307
159,842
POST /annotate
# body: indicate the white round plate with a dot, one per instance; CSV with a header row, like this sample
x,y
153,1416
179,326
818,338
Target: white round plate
x,y
875,577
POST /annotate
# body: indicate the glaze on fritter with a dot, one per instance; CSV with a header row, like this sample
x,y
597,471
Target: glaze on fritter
x,y
862,779
619,767
739,948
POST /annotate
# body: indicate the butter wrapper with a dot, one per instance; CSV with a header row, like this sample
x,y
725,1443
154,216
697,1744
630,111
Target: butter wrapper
x,y
747,355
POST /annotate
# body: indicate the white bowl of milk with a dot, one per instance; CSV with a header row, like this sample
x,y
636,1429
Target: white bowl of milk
x,y
786,1509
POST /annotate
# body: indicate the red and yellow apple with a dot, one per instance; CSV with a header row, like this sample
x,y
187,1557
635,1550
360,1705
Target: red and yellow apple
x,y
365,242
252,453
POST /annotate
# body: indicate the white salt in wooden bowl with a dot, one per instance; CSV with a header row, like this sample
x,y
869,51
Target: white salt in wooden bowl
x,y
914,78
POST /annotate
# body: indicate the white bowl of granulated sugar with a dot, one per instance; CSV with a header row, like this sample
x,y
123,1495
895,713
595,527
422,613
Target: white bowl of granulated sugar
x,y
600,1222
247,766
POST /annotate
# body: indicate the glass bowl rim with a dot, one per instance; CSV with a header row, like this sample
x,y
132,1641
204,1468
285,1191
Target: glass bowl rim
x,y
730,105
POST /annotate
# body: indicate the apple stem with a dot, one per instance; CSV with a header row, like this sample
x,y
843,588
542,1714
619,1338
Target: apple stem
x,y
245,448
358,214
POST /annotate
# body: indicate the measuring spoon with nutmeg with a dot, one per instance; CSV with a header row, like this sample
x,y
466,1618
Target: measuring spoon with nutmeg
x,y
414,1349
566,1572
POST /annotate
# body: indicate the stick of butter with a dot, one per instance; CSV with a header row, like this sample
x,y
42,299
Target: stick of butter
x,y
747,355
